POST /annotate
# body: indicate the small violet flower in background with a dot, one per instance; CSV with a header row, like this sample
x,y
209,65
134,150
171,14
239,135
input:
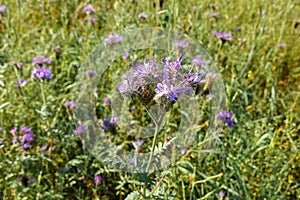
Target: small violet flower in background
x,y
137,144
2,9
112,39
223,36
97,179
40,60
211,15
106,102
280,45
142,16
80,129
109,124
91,73
13,130
198,61
125,55
41,73
88,9
180,45
56,48
17,64
25,129
69,105
21,83
92,19
225,117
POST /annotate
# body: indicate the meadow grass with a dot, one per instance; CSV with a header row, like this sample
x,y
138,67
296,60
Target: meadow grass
x,y
257,159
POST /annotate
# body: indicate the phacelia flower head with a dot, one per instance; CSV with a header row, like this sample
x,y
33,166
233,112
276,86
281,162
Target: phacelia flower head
x,y
142,16
97,179
40,60
41,73
106,102
280,45
92,19
69,105
13,130
198,61
109,124
25,129
211,15
223,36
90,72
21,83
88,9
225,117
112,39
2,9
180,44
27,138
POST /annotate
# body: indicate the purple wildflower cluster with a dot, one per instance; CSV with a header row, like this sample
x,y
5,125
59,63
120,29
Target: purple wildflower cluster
x,y
21,83
90,10
223,36
109,124
41,73
2,9
41,60
25,135
168,79
97,179
142,16
225,117
69,105
112,39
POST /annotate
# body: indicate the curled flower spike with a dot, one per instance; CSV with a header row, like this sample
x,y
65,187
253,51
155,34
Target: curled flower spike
x,y
41,73
97,179
142,16
40,60
2,9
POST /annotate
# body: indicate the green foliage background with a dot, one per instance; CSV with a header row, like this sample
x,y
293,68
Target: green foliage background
x,y
257,159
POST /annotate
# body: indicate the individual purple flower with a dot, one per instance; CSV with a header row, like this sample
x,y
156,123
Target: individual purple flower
x,y
25,146
109,124
225,117
162,89
91,73
146,71
142,16
25,129
112,39
43,148
21,83
138,143
69,105
92,19
130,84
198,61
17,64
13,130
1,140
280,45
125,55
40,60
41,73
223,36
2,9
27,138
211,15
180,44
222,194
88,9
80,129
1,128
97,179
106,102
